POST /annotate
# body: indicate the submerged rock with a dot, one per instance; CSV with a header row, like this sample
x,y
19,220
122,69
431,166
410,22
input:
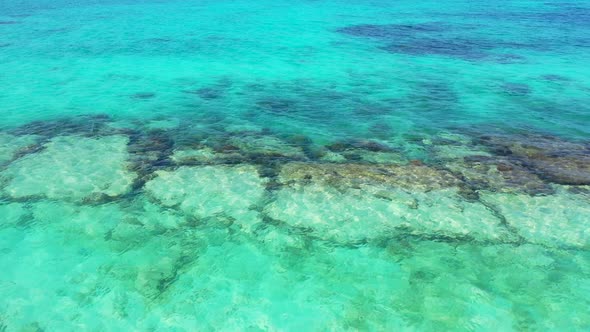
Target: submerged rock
x,y
246,148
11,214
555,78
83,125
368,151
78,222
377,212
498,174
550,158
368,145
15,146
204,155
572,170
149,151
71,168
419,178
266,146
154,266
558,220
445,152
210,191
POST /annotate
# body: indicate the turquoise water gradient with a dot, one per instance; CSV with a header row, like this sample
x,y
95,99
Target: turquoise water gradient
x,y
90,57
294,165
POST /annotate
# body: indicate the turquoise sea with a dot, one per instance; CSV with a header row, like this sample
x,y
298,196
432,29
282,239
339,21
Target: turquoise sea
x,y
303,165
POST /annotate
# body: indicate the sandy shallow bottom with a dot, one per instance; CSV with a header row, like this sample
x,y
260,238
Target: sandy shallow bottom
x,y
93,240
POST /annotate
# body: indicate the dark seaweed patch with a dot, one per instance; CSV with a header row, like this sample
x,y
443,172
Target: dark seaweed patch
x,y
371,146
381,130
306,144
568,14
441,40
34,148
554,78
353,145
421,39
508,58
466,48
20,15
392,31
208,93
338,146
86,125
149,152
143,95
158,40
431,97
550,158
372,109
213,91
276,105
498,173
8,22
516,89
453,47
566,170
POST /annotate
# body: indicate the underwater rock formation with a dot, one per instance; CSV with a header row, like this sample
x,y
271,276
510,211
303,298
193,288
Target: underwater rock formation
x,y
152,275
83,125
228,193
11,214
352,203
71,168
15,146
149,151
559,220
266,146
241,148
411,177
204,155
498,174
552,159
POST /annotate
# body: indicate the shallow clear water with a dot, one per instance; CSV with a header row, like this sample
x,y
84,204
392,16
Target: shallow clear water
x,y
294,165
